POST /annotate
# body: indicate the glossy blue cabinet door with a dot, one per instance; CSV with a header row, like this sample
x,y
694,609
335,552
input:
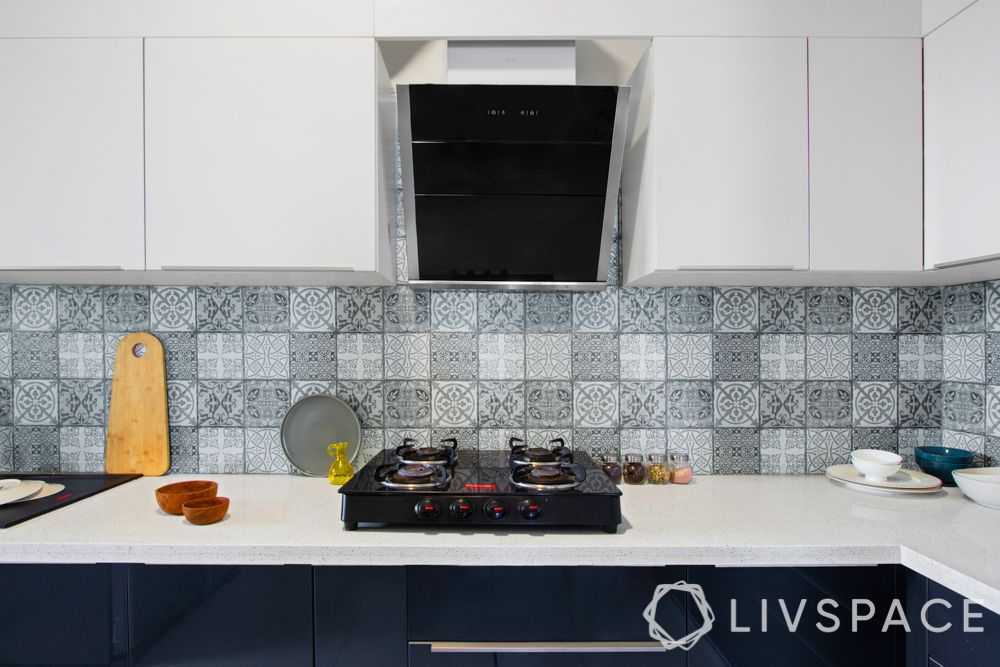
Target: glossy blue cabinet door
x,y
62,615
220,615
954,647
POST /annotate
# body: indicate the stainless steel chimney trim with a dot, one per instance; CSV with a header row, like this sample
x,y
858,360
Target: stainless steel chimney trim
x,y
614,181
406,168
508,285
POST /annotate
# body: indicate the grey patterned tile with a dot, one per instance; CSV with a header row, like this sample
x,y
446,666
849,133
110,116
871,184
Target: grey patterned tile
x,y
737,404
266,402
501,404
643,405
394,436
783,451
5,307
548,356
782,404
263,452
453,404
828,404
468,438
736,309
312,309
964,308
81,403
689,404
126,307
641,356
359,309
782,357
963,407
689,356
80,308
359,356
921,357
173,308
992,451
826,447
183,449
545,437
453,311
366,398
782,309
6,352
33,308
491,439
549,403
875,404
596,442
372,445
501,311
313,356
6,403
303,388
180,355
875,357
220,403
595,404
220,356
548,311
407,310
596,311
220,450
182,402
697,443
736,451
642,309
737,356
920,404
454,356
407,404
970,441
965,357
828,357
876,310
265,356
408,356
35,354
36,402
595,356
885,439
910,438
643,441
920,310
81,449
265,309
219,309
993,305
36,449
828,309
993,358
111,341
501,356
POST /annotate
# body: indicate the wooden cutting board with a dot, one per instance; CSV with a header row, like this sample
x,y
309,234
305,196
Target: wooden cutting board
x,y
138,439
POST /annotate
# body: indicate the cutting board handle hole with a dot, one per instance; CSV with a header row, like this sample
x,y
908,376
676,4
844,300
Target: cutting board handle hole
x,y
139,350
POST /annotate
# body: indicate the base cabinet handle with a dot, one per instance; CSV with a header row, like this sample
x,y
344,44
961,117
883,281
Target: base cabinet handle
x,y
543,647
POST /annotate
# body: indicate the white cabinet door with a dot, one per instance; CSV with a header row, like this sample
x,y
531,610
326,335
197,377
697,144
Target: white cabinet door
x,y
865,160
261,154
962,137
71,154
730,123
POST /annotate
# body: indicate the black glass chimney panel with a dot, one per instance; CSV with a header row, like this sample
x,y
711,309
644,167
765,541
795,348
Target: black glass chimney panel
x,y
514,237
507,168
512,113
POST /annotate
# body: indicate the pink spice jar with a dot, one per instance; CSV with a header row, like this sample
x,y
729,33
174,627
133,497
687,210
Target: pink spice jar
x,y
680,468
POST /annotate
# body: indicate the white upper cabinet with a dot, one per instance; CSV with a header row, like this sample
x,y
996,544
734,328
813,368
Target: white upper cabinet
x,y
262,154
716,171
71,154
865,160
962,137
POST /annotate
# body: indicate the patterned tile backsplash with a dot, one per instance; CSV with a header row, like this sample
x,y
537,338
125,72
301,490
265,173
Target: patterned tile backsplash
x,y
745,379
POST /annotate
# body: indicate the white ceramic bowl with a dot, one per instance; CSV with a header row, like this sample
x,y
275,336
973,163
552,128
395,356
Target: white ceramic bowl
x,y
980,484
875,464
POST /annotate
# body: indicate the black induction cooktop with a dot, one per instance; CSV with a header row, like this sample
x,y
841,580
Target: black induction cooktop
x,y
78,486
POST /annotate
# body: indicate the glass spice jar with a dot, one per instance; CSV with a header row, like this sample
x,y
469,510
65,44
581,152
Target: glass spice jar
x,y
680,467
612,468
635,472
657,470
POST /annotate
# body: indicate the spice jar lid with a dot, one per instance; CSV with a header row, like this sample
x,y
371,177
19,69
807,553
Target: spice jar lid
x,y
610,458
657,458
679,457
633,458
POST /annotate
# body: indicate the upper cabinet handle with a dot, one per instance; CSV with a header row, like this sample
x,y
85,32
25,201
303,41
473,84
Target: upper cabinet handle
x,y
737,268
62,268
257,268
971,260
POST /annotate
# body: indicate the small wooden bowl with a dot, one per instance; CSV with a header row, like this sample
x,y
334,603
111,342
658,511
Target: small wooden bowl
x,y
204,511
171,497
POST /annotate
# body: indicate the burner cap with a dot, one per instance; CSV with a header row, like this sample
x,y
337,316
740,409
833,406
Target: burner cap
x,y
415,472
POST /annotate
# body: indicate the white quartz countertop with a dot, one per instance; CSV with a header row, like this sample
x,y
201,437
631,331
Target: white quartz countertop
x,y
722,520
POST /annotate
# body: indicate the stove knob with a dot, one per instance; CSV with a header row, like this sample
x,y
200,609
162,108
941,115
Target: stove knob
x,y
461,509
495,510
530,509
427,509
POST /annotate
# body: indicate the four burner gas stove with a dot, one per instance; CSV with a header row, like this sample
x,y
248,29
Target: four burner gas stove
x,y
443,485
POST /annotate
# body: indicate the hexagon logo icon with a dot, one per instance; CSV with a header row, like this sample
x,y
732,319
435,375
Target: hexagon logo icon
x,y
689,640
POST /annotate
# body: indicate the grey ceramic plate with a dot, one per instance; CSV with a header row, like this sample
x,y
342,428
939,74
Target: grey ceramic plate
x,y
311,425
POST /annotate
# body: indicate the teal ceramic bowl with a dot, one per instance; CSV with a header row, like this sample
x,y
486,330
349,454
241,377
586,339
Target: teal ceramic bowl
x,y
942,461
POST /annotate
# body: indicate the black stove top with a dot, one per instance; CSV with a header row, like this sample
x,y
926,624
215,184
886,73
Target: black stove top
x,y
479,490
78,486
